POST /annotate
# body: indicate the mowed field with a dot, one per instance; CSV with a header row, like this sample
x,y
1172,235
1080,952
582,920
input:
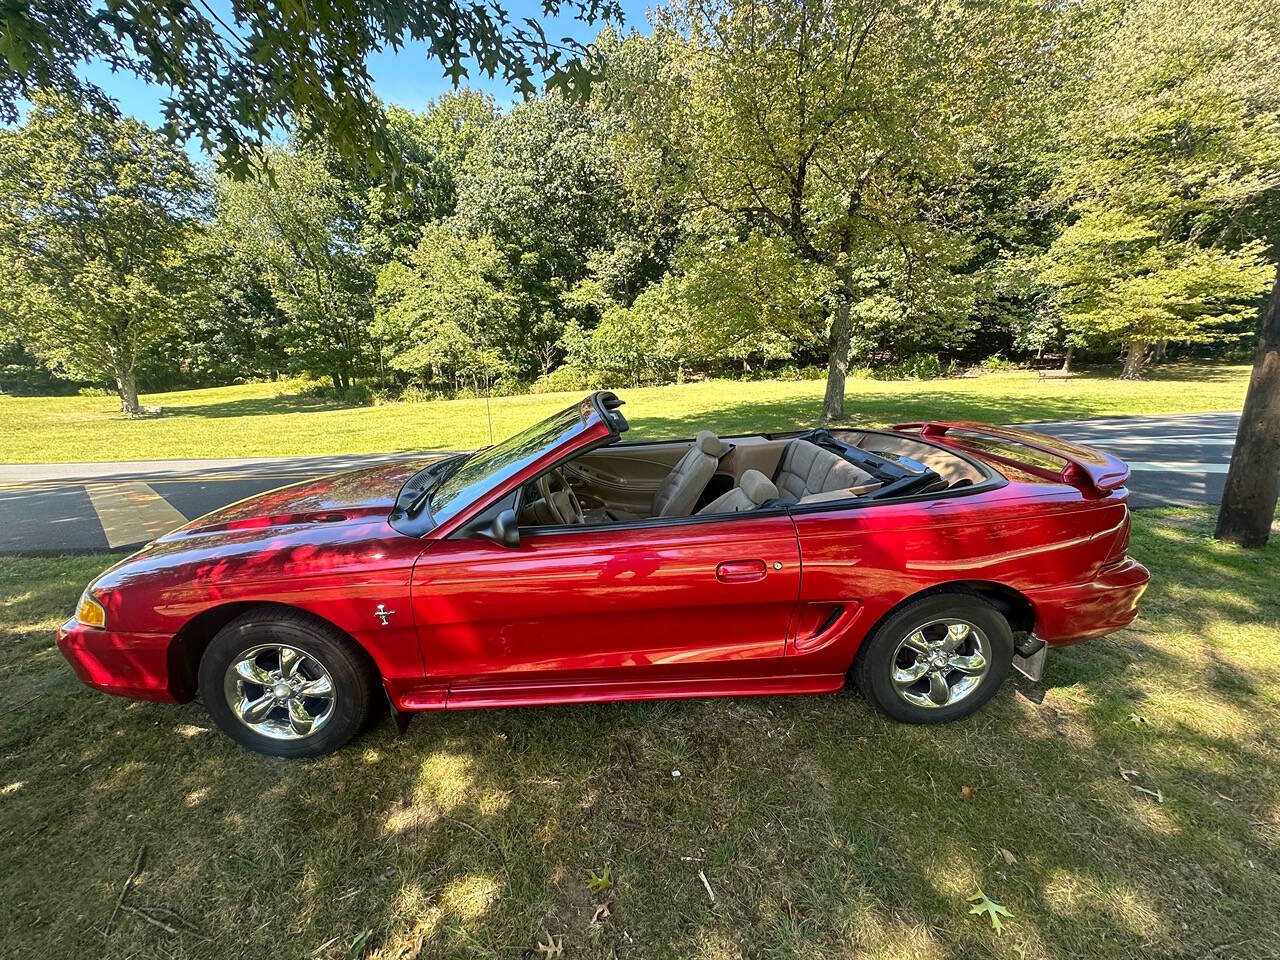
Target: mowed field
x,y
1133,813
273,419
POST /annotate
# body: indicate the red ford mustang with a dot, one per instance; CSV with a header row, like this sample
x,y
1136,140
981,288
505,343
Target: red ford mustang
x,y
563,566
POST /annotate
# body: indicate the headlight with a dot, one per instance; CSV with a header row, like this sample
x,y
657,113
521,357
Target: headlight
x,y
90,612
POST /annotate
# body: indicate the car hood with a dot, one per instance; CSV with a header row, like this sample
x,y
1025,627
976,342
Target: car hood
x,y
318,527
353,496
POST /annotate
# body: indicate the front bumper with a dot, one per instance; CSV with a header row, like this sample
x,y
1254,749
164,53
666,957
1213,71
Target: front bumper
x,y
1082,611
127,664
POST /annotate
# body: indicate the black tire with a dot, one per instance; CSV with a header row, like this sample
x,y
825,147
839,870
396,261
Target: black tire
x,y
328,654
880,655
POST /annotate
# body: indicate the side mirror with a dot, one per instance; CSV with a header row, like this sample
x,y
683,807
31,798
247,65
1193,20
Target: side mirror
x,y
505,529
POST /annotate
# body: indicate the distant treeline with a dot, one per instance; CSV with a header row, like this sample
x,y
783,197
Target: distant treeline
x,y
753,189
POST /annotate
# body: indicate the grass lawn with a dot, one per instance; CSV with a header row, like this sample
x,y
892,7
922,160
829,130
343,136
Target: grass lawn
x,y
265,419
823,830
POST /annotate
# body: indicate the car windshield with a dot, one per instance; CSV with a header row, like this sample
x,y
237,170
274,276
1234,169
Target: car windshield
x,y
487,468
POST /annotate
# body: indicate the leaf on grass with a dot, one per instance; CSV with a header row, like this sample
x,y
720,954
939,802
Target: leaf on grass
x,y
600,881
602,911
967,791
358,944
984,905
1009,858
552,947
1151,793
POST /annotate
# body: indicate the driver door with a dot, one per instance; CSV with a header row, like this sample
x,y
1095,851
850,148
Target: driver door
x,y
574,610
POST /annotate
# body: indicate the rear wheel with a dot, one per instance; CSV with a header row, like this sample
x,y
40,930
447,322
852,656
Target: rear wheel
x,y
938,658
285,686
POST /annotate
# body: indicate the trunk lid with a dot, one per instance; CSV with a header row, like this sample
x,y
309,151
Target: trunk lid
x,y
1092,472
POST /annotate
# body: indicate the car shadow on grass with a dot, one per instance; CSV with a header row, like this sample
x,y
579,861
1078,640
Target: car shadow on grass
x,y
802,827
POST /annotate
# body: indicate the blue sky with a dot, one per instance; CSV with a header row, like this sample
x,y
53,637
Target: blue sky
x,y
405,77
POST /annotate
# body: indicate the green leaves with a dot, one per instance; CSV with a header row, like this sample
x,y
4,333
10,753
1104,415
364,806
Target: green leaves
x,y
279,60
447,311
100,219
1169,154
600,881
984,906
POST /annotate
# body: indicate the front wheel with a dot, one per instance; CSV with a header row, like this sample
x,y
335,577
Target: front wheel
x,y
285,686
938,658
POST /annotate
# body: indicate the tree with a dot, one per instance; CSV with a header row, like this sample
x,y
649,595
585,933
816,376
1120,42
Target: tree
x,y
1171,145
300,228
98,221
233,84
539,183
446,311
1253,479
831,125
432,148
1120,281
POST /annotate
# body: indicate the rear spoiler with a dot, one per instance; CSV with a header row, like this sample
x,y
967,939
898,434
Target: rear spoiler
x,y
1092,472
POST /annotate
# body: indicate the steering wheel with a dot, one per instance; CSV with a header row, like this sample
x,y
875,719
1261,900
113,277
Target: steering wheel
x,y
564,507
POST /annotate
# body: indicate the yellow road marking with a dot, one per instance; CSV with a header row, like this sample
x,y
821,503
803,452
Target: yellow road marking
x,y
132,512
87,482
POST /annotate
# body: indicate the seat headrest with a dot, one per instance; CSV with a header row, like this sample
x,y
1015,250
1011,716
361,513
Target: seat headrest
x,y
757,486
710,444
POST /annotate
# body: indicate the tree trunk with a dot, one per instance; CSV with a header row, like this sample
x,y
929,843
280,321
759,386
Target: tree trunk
x,y
1134,355
1253,479
127,389
1066,361
838,362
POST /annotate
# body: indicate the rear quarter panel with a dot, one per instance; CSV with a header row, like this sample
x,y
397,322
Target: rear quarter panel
x,y
1028,536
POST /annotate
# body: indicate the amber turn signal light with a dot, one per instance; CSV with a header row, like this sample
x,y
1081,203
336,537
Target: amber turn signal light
x,y
90,611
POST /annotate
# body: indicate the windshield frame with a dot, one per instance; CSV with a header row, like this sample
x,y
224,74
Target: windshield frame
x,y
480,477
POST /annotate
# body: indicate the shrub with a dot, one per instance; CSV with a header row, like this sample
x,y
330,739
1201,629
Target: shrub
x,y
416,393
793,372
996,363
922,366
358,395
569,379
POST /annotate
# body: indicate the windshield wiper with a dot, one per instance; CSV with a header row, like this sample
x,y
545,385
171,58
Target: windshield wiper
x,y
437,473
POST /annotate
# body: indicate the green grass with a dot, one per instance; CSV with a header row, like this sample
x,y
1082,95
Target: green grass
x,y
823,830
264,419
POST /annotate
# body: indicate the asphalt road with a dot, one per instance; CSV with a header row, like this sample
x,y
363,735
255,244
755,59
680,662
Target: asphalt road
x,y
91,507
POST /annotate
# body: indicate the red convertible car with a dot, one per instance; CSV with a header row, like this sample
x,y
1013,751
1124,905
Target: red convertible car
x,y
564,566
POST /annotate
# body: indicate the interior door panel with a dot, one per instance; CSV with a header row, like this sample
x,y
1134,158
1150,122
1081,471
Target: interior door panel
x,y
625,476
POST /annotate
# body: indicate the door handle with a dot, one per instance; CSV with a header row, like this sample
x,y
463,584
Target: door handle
x,y
740,571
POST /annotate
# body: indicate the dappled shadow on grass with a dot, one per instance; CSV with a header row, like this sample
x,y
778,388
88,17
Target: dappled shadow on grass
x,y
821,828
255,406
939,399
934,403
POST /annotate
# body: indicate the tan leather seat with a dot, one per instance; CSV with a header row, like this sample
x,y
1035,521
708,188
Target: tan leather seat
x,y
751,493
680,490
683,486
809,473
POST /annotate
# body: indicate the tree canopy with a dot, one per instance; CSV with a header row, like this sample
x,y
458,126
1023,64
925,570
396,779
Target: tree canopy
x,y
235,81
888,187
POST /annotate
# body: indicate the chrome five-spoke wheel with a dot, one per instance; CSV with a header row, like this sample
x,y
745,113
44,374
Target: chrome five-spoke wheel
x,y
940,663
279,691
937,658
